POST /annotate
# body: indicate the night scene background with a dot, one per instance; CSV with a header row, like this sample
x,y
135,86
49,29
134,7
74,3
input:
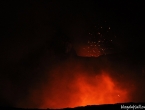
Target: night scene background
x,y
57,54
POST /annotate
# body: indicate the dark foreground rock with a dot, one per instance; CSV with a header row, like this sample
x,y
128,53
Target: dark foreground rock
x,y
118,106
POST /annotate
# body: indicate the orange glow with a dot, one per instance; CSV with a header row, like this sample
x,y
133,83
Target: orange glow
x,y
81,90
100,90
89,51
73,83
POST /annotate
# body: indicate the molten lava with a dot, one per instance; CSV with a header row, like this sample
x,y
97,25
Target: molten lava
x,y
80,90
73,83
100,89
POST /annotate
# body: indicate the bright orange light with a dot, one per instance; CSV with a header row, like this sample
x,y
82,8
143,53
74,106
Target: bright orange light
x,y
100,89
83,90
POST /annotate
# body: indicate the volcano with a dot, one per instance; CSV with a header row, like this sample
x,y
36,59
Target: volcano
x,y
64,54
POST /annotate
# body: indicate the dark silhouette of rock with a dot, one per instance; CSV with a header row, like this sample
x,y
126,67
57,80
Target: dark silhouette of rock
x,y
117,106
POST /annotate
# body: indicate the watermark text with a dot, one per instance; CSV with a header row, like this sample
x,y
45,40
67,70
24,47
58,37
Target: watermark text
x,y
137,107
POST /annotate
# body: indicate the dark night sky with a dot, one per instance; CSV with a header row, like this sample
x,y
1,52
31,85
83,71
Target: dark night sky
x,y
34,32
28,25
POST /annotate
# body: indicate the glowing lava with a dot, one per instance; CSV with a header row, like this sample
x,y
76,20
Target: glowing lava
x,y
100,89
82,90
